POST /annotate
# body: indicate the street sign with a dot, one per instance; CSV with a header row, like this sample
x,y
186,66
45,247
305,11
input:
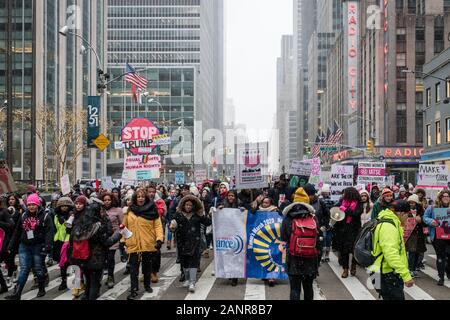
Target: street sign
x,y
328,148
102,142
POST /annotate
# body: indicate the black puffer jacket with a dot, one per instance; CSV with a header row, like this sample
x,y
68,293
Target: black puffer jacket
x,y
7,225
42,228
345,234
94,226
297,266
188,230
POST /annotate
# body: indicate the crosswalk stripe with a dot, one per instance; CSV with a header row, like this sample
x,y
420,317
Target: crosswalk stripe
x,y
432,273
318,294
163,284
68,294
33,293
255,289
432,256
204,285
417,293
356,289
121,287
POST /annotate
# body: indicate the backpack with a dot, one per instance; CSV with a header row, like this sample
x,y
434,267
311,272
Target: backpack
x,y
364,243
303,238
81,250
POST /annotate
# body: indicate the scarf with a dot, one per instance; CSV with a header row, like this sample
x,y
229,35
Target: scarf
x,y
348,205
147,211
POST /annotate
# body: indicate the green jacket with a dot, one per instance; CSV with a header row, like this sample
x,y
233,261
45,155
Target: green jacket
x,y
388,240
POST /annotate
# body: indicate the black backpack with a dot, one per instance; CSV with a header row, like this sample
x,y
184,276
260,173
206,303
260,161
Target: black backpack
x,y
364,243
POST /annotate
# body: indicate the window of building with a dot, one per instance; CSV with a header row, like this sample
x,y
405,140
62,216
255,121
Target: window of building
x,y
447,88
401,123
412,6
438,92
419,123
438,132
401,59
428,92
447,130
428,129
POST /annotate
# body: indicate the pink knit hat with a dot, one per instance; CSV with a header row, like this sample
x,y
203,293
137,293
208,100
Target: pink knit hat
x,y
34,199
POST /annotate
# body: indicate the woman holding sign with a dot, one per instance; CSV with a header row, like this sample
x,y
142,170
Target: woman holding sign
x,y
433,217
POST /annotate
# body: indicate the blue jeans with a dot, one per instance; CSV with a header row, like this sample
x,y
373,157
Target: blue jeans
x,y
30,257
327,239
413,261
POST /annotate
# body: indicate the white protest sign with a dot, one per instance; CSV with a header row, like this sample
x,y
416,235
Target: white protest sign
x,y
65,185
341,177
200,176
107,183
432,176
301,168
251,163
369,172
314,177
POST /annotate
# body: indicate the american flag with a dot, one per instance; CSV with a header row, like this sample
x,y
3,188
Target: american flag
x,y
316,148
337,135
136,81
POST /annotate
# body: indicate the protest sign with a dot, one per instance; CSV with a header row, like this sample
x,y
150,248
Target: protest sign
x,y
442,217
409,227
301,168
369,172
341,177
200,176
432,176
107,183
65,185
251,164
179,177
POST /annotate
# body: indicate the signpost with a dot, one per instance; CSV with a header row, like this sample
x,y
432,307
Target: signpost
x,y
102,142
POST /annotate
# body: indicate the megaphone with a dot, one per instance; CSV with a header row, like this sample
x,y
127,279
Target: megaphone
x,y
69,222
74,277
336,215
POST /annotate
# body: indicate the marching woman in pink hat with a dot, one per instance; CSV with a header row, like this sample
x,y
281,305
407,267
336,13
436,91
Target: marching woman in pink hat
x,y
33,236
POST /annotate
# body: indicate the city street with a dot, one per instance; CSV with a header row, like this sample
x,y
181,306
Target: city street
x,y
328,286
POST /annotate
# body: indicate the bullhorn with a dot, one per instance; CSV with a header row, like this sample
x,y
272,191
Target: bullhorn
x,y
336,215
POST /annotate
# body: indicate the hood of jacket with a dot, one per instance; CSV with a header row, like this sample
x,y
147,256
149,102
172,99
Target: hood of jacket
x,y
198,205
298,208
147,211
269,209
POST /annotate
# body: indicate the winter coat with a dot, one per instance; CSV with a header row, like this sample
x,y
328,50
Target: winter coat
x,y
417,240
146,226
297,266
115,215
428,218
97,229
322,212
245,200
42,228
366,216
390,247
188,227
379,206
7,224
344,234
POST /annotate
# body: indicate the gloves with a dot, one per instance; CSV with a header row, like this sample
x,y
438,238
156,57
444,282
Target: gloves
x,y
158,245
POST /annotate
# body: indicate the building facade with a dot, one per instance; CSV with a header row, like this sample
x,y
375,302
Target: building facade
x,y
178,47
42,69
436,110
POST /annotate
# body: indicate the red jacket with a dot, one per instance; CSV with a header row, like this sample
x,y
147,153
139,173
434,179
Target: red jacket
x,y
161,207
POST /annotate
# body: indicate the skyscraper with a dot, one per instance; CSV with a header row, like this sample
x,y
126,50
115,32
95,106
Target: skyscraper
x,y
178,47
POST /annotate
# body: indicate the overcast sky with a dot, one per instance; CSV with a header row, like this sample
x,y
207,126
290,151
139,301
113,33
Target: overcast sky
x,y
254,30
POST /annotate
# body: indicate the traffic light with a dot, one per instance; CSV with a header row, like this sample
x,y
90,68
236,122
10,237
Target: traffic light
x,y
370,145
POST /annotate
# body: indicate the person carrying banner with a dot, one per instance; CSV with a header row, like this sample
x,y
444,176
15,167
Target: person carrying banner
x,y
385,201
301,264
415,244
442,247
187,224
346,231
389,248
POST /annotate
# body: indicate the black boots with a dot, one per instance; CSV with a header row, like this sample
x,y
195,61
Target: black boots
x,y
41,291
63,285
16,294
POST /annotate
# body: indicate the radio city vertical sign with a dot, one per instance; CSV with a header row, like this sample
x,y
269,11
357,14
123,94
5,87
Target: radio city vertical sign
x,y
93,120
352,30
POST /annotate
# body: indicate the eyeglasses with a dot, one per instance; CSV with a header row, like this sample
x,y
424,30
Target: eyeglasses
x,y
445,197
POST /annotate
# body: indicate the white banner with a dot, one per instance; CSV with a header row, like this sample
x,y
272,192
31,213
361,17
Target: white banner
x,y
301,168
65,185
341,177
230,243
252,161
433,176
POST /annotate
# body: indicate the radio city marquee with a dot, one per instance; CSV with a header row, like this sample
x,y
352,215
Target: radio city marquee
x,y
352,47
411,153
